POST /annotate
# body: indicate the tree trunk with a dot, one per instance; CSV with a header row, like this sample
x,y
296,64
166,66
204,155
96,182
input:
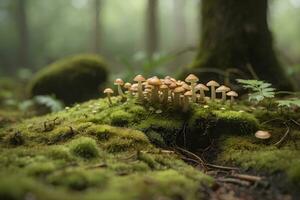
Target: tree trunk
x,y
96,43
179,23
235,34
23,33
152,28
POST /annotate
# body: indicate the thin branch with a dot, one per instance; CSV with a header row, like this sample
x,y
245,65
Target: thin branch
x,y
235,181
247,177
284,136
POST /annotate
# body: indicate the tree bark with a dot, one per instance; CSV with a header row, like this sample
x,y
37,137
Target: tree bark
x,y
23,33
96,43
152,38
235,34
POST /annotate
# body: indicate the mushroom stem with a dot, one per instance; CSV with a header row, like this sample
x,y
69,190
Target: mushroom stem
x,y
231,100
223,96
109,99
120,91
140,91
194,97
202,94
155,97
165,96
213,93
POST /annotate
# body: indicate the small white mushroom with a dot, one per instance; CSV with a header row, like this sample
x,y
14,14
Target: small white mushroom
x,y
128,86
155,82
139,78
119,82
263,135
108,92
223,89
176,99
232,94
192,79
202,88
213,84
186,100
165,93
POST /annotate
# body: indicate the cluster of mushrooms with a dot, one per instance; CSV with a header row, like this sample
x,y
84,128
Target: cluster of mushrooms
x,y
171,91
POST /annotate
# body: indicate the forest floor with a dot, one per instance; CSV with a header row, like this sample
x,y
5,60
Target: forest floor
x,y
130,151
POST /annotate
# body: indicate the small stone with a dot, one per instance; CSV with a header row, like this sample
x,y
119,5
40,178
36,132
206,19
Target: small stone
x,y
158,111
205,106
223,108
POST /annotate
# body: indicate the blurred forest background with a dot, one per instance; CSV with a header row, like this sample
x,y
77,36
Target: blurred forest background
x,y
139,36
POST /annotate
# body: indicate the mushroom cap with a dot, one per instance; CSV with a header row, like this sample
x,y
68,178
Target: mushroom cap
x,y
179,83
262,135
186,86
134,88
139,78
213,83
232,94
167,81
179,90
222,88
149,86
108,91
127,85
173,85
191,78
119,81
148,90
201,87
163,87
154,81
188,94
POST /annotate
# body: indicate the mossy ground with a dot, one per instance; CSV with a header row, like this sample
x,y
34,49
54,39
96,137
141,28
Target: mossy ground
x,y
97,151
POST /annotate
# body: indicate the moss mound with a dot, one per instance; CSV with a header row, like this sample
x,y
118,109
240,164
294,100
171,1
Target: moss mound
x,y
73,79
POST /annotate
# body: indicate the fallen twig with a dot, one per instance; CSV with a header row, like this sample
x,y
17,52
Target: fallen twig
x,y
247,177
201,162
221,167
235,181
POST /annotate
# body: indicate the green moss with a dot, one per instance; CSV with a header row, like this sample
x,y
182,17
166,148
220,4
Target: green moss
x,y
72,79
120,118
40,168
84,147
57,152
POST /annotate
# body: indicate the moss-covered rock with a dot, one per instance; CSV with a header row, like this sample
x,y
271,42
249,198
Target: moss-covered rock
x,y
73,79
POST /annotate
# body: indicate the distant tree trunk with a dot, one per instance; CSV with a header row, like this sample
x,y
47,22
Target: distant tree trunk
x,y
96,43
179,23
235,34
152,38
23,33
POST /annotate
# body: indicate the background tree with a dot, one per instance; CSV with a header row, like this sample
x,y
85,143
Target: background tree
x,y
235,34
96,41
152,33
21,16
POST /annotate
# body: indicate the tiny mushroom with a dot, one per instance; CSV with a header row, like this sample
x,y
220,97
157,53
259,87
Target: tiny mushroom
x,y
108,92
232,94
223,89
139,78
155,82
119,82
202,88
213,84
128,86
193,80
165,93
176,99
263,135
186,100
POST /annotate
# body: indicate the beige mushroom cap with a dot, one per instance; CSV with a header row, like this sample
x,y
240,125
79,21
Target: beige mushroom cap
x,y
222,88
164,87
167,81
179,90
139,78
134,88
172,85
154,81
201,86
262,135
191,78
186,86
212,83
188,94
232,94
127,85
108,91
119,81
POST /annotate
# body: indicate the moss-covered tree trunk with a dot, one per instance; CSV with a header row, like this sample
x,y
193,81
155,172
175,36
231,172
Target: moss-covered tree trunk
x,y
235,34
